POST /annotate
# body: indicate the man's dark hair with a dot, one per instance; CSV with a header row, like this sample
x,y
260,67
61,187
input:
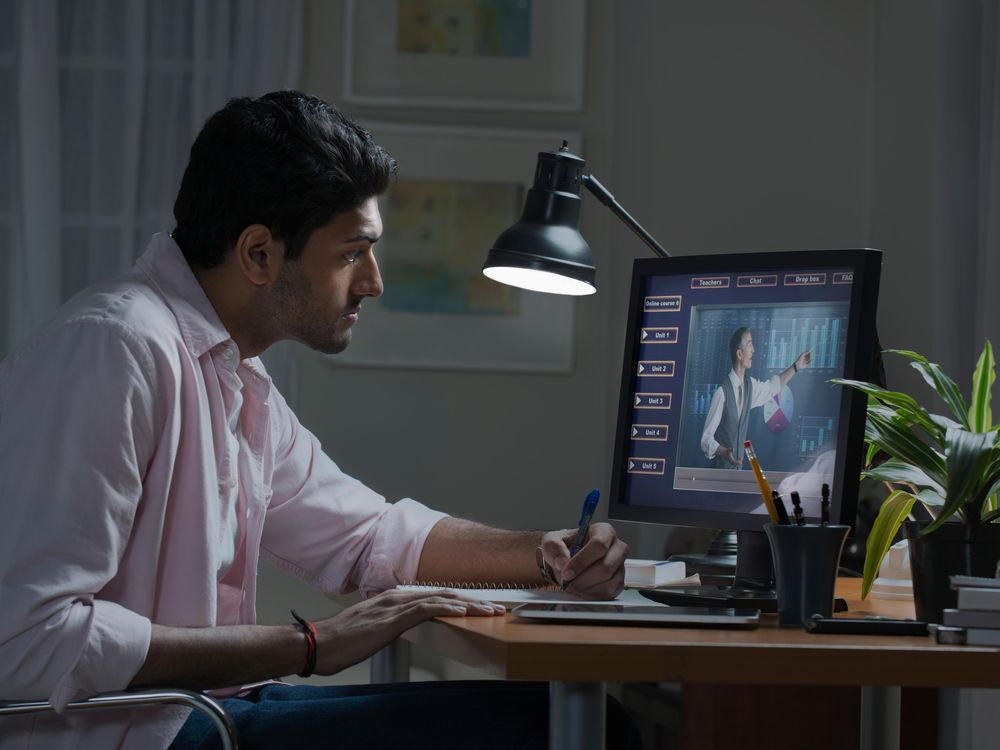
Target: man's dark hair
x,y
285,160
735,341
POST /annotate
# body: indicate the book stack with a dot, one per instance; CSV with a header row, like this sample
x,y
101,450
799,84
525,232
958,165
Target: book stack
x,y
978,610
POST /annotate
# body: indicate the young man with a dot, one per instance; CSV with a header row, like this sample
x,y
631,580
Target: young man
x,y
146,462
729,412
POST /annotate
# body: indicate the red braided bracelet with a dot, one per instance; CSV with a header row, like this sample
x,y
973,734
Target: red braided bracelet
x,y
309,631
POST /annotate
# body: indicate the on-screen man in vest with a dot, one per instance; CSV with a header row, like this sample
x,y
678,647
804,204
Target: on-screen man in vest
x,y
729,413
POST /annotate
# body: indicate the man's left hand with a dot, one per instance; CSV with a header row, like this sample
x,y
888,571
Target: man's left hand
x,y
597,571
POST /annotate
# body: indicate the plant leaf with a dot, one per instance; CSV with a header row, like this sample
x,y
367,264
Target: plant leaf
x,y
900,443
932,498
939,381
900,471
968,457
980,415
943,422
870,453
890,517
906,406
908,354
946,389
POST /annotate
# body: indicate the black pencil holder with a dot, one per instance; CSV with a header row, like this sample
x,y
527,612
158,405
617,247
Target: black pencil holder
x,y
805,559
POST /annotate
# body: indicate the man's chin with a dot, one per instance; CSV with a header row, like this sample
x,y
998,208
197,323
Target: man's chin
x,y
330,346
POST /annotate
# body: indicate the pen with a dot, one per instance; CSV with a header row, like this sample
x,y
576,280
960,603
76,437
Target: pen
x,y
825,505
765,488
779,505
800,518
589,506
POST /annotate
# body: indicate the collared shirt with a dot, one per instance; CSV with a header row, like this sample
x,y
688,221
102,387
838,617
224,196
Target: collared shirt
x,y
144,466
763,391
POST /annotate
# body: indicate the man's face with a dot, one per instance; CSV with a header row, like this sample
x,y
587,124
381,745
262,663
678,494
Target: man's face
x,y
318,296
744,354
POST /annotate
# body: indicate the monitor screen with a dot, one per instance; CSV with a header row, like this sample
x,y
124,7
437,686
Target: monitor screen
x,y
727,348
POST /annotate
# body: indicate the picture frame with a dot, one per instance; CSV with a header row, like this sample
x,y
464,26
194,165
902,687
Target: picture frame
x,y
526,56
457,190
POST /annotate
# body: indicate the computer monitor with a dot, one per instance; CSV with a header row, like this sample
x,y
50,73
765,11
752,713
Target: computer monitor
x,y
694,323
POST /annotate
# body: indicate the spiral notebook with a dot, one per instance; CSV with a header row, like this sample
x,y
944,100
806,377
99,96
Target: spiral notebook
x,y
500,593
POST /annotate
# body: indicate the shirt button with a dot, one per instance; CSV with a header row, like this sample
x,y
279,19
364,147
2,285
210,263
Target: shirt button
x,y
227,353
232,484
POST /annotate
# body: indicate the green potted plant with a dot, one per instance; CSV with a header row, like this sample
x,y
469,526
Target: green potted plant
x,y
949,464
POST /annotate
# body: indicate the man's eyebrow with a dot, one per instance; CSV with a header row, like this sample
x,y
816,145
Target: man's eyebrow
x,y
363,237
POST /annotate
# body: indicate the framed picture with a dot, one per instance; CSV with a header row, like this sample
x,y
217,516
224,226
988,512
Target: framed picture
x,y
471,54
457,190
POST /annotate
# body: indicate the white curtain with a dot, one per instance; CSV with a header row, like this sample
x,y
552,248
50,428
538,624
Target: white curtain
x,y
100,101
966,192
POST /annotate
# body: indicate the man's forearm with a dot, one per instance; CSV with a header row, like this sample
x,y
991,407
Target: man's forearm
x,y
464,551
204,658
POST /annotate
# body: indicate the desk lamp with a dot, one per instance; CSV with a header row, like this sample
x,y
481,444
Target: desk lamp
x,y
544,251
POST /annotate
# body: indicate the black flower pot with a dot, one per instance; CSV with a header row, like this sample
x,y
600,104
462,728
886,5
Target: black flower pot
x,y
952,549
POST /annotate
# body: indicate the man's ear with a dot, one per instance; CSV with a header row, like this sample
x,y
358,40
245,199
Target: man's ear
x,y
259,254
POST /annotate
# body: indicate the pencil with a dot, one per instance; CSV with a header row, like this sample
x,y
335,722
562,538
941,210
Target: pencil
x,y
765,488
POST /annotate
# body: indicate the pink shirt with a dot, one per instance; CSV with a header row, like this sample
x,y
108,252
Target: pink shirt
x,y
144,467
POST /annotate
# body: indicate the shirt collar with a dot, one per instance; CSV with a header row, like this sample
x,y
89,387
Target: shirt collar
x,y
735,379
165,265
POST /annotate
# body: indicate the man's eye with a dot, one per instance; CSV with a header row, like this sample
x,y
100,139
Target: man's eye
x,y
352,257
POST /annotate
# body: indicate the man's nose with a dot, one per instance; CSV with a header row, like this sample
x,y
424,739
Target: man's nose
x,y
369,282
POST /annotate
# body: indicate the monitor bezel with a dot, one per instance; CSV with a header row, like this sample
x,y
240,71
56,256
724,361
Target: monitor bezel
x,y
866,264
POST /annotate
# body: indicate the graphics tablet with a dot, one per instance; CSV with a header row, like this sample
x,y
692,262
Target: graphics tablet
x,y
596,613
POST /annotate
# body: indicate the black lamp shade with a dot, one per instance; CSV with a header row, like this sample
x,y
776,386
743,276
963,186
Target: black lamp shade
x,y
545,251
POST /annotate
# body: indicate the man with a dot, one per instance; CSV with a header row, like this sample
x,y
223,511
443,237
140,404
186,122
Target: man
x,y
729,412
146,462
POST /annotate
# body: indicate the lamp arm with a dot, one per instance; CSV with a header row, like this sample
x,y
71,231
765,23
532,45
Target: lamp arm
x,y
604,196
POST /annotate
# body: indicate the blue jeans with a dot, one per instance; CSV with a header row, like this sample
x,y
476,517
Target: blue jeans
x,y
460,714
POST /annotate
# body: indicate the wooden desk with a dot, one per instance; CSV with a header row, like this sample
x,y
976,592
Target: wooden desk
x,y
578,659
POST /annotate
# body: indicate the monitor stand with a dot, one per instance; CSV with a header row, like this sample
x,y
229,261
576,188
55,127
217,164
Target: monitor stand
x,y
753,584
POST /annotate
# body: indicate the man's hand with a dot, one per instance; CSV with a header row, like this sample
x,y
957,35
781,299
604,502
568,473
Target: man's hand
x,y
362,629
201,658
801,361
727,453
597,571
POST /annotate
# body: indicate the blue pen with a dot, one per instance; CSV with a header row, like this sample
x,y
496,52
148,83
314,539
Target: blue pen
x,y
589,506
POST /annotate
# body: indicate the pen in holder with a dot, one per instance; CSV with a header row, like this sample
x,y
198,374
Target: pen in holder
x,y
805,559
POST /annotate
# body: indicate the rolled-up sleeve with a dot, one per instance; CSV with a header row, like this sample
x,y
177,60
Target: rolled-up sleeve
x,y
330,529
765,390
76,429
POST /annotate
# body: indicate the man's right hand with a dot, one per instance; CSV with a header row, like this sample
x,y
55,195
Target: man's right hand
x,y
364,628
214,657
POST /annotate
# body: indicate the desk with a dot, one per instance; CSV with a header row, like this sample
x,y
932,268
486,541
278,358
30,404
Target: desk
x,y
578,659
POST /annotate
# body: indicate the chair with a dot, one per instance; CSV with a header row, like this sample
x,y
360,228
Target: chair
x,y
165,696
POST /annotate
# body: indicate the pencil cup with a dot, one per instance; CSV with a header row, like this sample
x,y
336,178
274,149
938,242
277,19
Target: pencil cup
x,y
805,559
